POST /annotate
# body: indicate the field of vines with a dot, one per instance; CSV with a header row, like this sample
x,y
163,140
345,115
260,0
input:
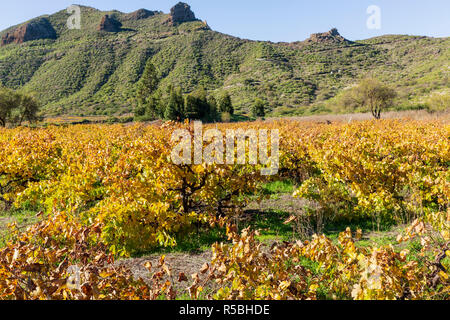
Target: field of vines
x,y
102,193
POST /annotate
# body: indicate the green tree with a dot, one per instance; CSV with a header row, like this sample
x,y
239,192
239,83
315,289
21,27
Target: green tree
x,y
201,94
27,110
8,101
225,104
192,107
203,107
258,109
198,105
149,81
374,96
148,104
174,109
213,114
17,107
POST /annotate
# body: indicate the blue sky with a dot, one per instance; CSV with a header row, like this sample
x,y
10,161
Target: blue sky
x,y
275,20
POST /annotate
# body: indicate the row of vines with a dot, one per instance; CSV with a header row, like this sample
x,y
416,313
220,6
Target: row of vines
x,y
103,192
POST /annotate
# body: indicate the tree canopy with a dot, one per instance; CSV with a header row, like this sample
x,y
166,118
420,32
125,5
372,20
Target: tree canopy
x,y
225,104
172,104
373,95
17,107
258,109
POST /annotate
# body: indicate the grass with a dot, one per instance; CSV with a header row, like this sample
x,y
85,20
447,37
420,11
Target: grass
x,y
277,187
193,242
23,218
270,225
332,229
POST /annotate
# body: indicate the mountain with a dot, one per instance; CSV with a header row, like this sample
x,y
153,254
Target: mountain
x,y
94,71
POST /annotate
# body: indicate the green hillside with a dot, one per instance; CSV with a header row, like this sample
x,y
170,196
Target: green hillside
x,y
90,72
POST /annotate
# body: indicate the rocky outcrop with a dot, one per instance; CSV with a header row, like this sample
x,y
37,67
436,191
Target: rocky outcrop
x,y
331,36
33,30
180,13
140,14
109,24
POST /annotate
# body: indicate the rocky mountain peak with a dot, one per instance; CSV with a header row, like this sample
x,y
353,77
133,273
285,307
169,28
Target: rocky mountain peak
x,y
34,30
331,36
180,13
109,24
140,14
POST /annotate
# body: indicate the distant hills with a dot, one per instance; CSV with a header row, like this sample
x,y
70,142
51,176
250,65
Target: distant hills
x,y
94,71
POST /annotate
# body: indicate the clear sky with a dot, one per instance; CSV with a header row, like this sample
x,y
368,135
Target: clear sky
x,y
273,20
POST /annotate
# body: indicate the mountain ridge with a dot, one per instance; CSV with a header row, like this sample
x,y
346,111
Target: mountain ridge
x,y
93,72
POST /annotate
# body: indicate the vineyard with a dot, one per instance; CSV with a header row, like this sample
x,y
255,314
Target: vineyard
x,y
98,194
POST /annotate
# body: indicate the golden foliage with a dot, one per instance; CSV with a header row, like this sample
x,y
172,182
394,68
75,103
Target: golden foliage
x,y
113,190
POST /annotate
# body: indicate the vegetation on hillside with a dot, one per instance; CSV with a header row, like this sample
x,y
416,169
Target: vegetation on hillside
x,y
171,104
89,72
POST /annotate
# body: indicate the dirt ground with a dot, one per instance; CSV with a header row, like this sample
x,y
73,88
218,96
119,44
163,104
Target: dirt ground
x,y
4,222
283,202
190,263
410,114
